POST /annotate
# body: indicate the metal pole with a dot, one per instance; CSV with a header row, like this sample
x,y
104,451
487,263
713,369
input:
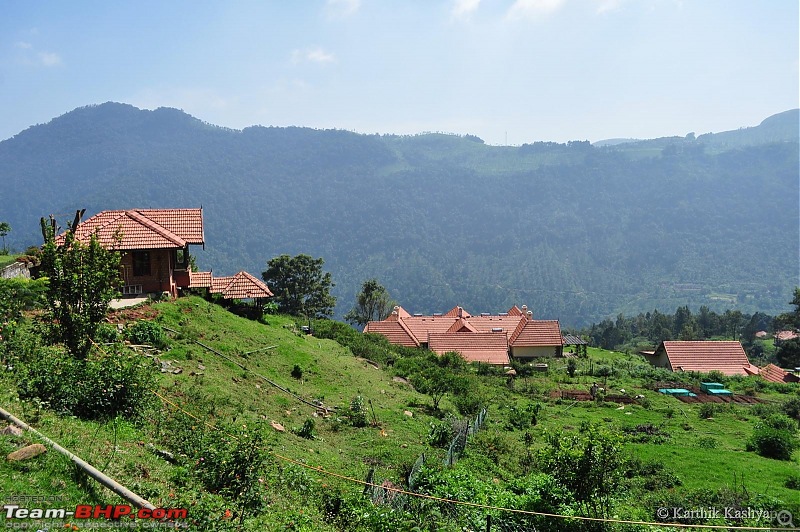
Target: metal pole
x,y
99,476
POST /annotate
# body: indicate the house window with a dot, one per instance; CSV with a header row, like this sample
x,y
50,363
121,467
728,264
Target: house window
x,y
141,263
182,259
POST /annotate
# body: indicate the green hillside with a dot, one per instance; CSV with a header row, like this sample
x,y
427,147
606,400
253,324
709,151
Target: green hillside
x,y
576,232
215,407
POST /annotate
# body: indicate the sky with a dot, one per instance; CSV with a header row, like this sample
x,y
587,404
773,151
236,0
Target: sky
x,y
508,71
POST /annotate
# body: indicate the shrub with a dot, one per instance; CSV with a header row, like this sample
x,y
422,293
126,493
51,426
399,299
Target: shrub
x,y
440,433
707,410
572,366
107,333
775,437
307,430
793,482
467,404
358,412
145,332
792,408
98,387
297,372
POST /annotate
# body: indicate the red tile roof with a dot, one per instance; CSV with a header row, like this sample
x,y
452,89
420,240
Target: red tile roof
x,y
461,325
516,328
726,357
240,286
538,333
773,373
782,336
394,331
457,312
199,279
491,348
143,229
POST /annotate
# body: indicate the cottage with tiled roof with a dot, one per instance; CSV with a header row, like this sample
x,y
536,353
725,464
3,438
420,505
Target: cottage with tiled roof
x,y
154,244
491,338
773,373
727,357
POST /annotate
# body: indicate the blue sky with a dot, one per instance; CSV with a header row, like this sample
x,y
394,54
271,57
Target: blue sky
x,y
509,71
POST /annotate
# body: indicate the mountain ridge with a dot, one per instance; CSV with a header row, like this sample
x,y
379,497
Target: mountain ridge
x,y
576,231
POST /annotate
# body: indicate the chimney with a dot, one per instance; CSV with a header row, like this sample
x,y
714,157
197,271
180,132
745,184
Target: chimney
x,y
460,312
529,314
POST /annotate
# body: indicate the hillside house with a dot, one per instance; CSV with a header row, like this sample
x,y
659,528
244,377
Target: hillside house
x,y
154,244
727,357
489,338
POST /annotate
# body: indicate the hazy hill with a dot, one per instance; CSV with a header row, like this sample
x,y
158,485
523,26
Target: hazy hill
x,y
576,232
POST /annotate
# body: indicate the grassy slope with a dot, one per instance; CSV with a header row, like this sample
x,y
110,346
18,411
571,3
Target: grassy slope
x,y
331,374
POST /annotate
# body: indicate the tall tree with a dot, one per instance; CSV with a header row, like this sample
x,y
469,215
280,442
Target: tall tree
x,y
5,228
82,280
300,286
373,303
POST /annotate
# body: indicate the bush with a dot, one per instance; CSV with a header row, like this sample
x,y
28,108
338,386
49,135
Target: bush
x,y
775,437
307,430
98,387
107,333
792,408
297,372
145,332
358,412
707,410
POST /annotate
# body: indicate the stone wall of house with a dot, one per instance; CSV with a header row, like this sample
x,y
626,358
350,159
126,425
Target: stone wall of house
x,y
14,270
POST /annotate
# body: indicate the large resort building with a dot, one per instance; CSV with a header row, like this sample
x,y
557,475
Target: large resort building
x,y
489,338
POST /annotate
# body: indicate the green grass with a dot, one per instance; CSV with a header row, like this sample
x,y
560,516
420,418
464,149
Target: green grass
x,y
5,260
702,453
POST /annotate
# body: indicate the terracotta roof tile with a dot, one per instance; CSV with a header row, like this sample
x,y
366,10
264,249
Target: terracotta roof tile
x,y
143,229
199,279
539,333
461,325
727,357
491,348
773,373
240,286
457,312
783,336
393,330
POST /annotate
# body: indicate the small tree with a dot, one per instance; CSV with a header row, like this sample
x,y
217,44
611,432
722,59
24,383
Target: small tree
x,y
82,280
437,382
373,303
5,228
300,286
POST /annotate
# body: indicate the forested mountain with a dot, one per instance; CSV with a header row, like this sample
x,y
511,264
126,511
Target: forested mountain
x,y
574,231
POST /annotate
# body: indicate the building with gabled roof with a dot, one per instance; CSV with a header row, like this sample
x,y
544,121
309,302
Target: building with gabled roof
x,y
491,338
154,244
240,286
773,373
727,357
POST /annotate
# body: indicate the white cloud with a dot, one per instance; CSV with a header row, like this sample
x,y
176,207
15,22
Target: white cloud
x,y
343,8
604,6
312,55
49,59
23,45
464,8
533,8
